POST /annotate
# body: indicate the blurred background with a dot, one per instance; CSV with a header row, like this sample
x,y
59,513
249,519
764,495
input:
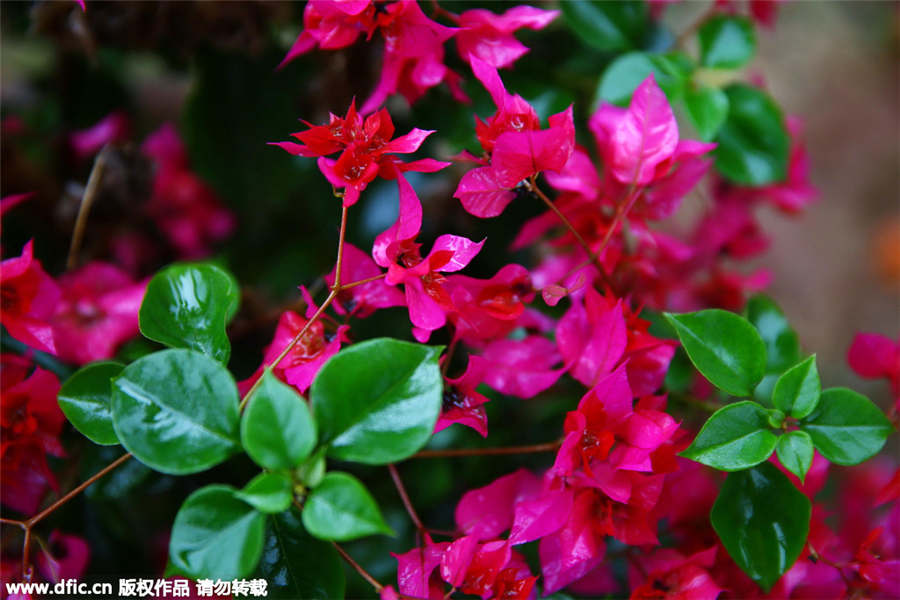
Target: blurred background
x,y
209,69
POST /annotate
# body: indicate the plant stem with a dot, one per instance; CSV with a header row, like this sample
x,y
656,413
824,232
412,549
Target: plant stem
x,y
353,284
87,201
398,483
335,289
363,573
533,187
533,448
80,488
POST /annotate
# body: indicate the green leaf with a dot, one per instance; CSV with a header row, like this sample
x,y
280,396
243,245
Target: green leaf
x,y
277,430
176,411
216,535
782,346
628,71
763,521
726,42
724,347
341,509
268,492
297,565
188,306
846,427
795,451
707,108
797,391
607,25
376,402
84,398
753,141
735,437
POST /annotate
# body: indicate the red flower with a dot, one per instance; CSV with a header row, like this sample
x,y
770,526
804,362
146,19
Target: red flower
x,y
97,312
29,297
367,150
30,421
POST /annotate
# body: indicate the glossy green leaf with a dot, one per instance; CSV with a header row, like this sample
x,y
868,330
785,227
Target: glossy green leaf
x,y
753,141
341,508
726,42
797,390
735,437
376,402
763,521
724,347
277,430
188,306
84,398
795,451
782,346
216,535
297,565
846,427
268,492
176,411
628,71
607,25
707,108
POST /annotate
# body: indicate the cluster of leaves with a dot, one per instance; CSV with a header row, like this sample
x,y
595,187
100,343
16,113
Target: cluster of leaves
x,y
761,518
185,398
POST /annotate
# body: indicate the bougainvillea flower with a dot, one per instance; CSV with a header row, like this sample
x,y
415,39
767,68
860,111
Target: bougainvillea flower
x,y
29,299
575,549
114,127
300,366
488,36
415,570
486,309
97,311
592,337
331,25
534,518
367,150
635,140
67,557
874,356
186,210
461,401
518,148
521,368
395,248
31,421
413,55
669,575
488,511
362,300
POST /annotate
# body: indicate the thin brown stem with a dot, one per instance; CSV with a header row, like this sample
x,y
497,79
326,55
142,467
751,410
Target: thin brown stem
x,y
533,448
398,483
340,251
87,201
13,522
622,210
77,490
335,289
533,187
353,284
358,568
